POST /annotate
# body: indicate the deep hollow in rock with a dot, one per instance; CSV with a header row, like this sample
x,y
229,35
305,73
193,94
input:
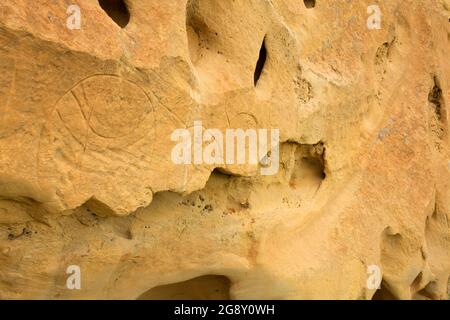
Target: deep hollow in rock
x,y
310,3
261,62
383,293
116,10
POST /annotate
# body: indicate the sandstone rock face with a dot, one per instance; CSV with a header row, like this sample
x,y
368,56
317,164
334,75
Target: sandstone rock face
x,y
87,176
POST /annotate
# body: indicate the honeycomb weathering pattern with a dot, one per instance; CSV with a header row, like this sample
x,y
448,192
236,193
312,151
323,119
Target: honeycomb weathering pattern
x,y
87,179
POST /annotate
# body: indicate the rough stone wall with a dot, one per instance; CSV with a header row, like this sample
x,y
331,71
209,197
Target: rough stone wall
x,y
86,170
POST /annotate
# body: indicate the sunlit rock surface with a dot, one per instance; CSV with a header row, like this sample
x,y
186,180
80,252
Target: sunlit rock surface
x,y
86,171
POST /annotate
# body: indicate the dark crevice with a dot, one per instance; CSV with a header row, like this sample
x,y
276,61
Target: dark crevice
x,y
435,97
315,160
117,10
309,167
310,3
261,62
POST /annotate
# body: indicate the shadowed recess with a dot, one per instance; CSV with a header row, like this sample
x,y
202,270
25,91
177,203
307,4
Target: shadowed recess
x,y
261,62
209,287
310,3
384,293
117,10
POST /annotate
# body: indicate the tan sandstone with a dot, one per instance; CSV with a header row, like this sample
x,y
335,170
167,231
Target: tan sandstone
x,y
87,179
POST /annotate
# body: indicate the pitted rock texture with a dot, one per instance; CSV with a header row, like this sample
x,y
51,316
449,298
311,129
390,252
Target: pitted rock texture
x,y
87,178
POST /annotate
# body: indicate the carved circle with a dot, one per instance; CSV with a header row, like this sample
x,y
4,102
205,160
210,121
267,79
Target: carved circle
x,y
103,117
112,107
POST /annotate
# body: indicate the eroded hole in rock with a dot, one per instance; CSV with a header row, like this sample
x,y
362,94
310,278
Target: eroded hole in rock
x,y
261,62
315,167
382,53
430,292
318,153
116,10
384,293
202,40
310,3
209,287
308,171
99,208
384,58
435,97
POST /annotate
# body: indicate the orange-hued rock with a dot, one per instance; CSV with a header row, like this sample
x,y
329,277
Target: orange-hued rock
x,y
87,176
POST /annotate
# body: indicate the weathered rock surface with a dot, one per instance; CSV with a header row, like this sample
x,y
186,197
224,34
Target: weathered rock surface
x,y
87,179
